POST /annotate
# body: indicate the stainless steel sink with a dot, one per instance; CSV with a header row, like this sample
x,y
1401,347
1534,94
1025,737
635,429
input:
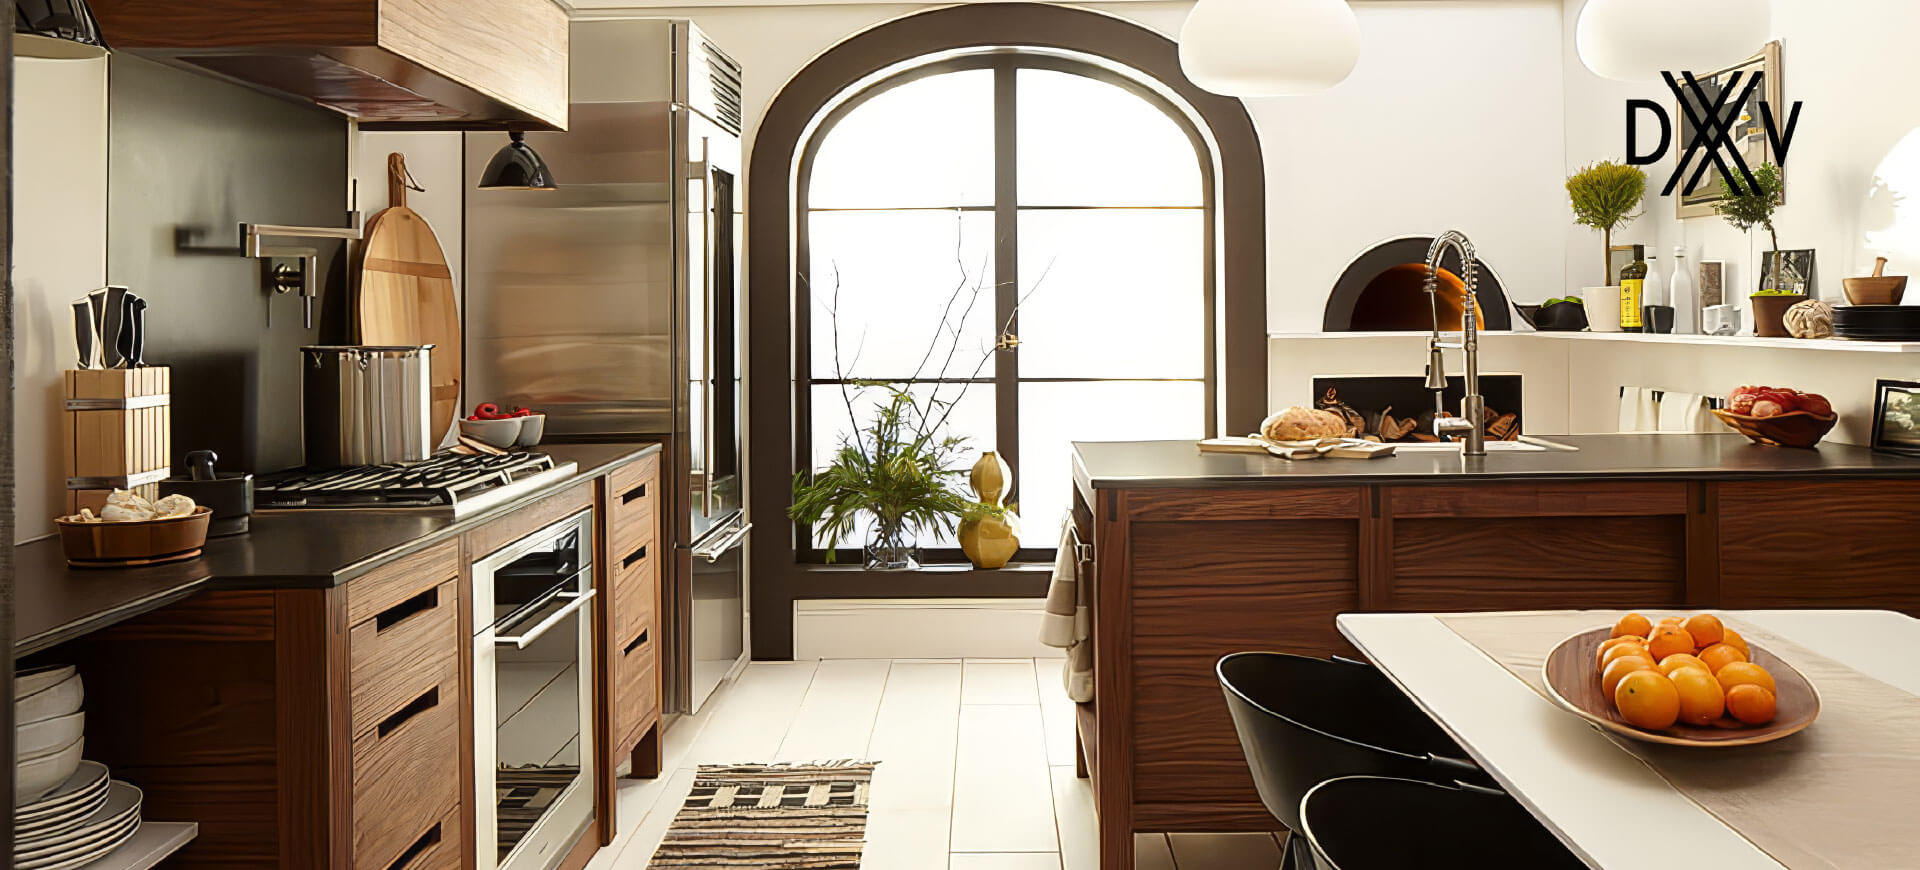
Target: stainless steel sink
x,y
1526,444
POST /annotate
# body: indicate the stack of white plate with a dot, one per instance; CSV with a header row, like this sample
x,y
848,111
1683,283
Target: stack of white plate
x,y
68,812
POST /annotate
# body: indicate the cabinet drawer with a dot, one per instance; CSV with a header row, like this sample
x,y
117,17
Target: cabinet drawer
x,y
632,497
401,579
437,848
635,593
406,773
401,652
636,685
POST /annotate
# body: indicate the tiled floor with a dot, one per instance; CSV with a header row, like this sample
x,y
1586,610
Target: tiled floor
x,y
976,765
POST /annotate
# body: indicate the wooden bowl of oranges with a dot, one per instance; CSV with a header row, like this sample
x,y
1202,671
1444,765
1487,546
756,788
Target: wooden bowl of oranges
x,y
1683,680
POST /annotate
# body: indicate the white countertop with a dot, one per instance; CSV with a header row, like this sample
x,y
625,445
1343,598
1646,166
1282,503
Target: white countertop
x,y
1608,807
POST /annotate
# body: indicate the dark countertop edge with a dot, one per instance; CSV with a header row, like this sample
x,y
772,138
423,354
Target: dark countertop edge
x,y
458,527
164,594
1478,477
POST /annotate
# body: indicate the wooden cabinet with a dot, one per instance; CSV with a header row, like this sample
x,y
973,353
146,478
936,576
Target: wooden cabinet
x,y
1182,577
449,64
631,497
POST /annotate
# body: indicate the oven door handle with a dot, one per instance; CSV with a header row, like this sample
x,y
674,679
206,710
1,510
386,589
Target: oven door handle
x,y
579,600
713,552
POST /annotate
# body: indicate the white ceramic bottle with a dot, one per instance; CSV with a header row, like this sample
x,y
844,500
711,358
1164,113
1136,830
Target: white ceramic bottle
x,y
1684,298
1657,310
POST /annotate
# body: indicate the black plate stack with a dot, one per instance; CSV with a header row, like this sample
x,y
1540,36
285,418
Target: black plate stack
x,y
1877,322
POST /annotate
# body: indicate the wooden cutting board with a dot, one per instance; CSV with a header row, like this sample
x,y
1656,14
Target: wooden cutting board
x,y
406,293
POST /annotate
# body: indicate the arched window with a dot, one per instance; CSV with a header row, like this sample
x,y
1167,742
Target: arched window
x,y
1111,214
1022,234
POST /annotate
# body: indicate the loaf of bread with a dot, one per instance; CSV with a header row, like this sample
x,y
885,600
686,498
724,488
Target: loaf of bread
x,y
1303,424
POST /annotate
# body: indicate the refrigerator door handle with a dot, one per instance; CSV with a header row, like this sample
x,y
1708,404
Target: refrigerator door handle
x,y
706,313
713,551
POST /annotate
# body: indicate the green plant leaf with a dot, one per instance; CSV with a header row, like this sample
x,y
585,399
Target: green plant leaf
x,y
1605,195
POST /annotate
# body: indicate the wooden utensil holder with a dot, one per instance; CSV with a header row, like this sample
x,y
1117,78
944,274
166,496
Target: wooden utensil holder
x,y
116,433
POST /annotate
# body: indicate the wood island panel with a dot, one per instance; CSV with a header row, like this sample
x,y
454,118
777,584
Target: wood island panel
x,y
1808,544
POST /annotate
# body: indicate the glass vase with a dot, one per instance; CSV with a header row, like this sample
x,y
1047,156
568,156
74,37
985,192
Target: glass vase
x,y
892,550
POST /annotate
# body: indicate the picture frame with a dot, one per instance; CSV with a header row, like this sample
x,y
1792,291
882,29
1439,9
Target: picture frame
x,y
1750,133
1618,257
1799,268
1896,417
1712,284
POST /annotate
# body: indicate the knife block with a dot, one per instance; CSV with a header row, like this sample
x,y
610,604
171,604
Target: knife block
x,y
116,433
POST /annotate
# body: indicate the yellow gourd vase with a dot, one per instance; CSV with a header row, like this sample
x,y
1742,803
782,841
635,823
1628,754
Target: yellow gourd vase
x,y
990,541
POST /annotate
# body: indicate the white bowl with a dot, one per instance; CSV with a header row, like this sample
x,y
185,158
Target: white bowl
x,y
30,681
35,739
57,700
34,777
493,433
531,428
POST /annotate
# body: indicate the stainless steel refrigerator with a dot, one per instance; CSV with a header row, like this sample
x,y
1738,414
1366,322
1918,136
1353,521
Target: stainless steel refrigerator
x,y
613,304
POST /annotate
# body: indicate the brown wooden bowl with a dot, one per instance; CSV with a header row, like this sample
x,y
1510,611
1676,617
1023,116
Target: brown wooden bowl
x,y
1574,683
123,545
1875,291
1792,429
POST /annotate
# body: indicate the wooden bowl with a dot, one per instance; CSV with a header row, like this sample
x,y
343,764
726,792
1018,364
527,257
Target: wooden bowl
x,y
1793,429
1574,683
125,545
1875,291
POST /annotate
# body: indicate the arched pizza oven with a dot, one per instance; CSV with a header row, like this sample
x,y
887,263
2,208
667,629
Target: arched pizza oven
x,y
1383,290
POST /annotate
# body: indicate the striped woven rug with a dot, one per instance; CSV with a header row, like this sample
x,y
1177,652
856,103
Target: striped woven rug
x,y
789,816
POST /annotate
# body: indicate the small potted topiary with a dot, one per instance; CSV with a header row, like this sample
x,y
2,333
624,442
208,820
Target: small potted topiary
x,y
1748,208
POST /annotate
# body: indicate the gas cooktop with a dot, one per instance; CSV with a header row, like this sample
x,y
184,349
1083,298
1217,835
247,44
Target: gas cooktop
x,y
451,484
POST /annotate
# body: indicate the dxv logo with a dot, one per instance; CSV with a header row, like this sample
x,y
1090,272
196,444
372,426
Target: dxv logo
x,y
1713,133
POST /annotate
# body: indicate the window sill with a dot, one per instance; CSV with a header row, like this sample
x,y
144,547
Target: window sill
x,y
1019,580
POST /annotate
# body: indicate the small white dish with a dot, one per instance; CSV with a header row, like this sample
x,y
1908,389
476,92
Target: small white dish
x,y
112,824
35,778
52,702
37,679
531,428
88,784
502,433
39,738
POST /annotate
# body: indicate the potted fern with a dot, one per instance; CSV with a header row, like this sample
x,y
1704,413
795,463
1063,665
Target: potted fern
x,y
897,470
1745,209
1604,196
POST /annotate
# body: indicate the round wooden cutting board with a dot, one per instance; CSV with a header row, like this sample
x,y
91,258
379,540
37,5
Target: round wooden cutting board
x,y
406,294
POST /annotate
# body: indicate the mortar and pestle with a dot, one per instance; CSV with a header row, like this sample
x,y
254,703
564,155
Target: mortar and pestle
x,y
1877,290
229,494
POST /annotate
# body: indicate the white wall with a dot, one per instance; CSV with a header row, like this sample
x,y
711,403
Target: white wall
x,y
1452,119
59,254
1856,154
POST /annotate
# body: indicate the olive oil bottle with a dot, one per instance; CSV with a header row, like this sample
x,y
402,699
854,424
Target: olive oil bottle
x,y
1633,285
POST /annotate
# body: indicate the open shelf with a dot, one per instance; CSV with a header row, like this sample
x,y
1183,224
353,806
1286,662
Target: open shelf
x,y
149,846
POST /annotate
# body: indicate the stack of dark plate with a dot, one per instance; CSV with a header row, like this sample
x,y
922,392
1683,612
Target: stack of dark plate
x,y
81,821
1877,322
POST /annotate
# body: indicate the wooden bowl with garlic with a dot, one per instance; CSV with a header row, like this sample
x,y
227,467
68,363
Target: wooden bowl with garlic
x,y
131,531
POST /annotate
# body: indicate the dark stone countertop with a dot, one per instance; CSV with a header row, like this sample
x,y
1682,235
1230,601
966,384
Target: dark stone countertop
x,y
54,603
1124,464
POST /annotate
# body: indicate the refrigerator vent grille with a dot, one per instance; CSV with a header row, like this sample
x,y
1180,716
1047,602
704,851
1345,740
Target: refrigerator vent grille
x,y
723,75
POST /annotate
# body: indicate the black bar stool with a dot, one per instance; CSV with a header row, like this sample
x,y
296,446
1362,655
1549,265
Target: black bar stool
x,y
1303,721
1378,823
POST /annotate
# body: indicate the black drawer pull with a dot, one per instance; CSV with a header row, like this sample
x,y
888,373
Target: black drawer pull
x,y
427,841
636,643
634,556
398,613
635,494
414,708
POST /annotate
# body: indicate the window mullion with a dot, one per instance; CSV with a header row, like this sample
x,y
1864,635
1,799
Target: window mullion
x,y
1006,266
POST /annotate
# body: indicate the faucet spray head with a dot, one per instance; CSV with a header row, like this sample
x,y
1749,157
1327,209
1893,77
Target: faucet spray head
x,y
1436,369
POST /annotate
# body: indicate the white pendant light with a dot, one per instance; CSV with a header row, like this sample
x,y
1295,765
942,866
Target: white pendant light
x,y
1637,40
1269,48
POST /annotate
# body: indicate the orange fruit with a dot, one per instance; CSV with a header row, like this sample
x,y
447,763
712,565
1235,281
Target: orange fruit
x,y
1751,704
1701,698
1720,655
1619,668
1669,640
1632,624
1705,628
1745,673
1668,620
1733,639
1608,644
1681,660
1625,649
1647,699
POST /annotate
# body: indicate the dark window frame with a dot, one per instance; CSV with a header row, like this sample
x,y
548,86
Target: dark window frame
x,y
779,578
1005,64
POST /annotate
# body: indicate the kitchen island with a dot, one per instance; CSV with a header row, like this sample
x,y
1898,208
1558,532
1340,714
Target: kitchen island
x,y
1193,556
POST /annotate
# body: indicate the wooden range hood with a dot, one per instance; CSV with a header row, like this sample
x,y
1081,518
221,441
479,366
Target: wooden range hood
x,y
390,64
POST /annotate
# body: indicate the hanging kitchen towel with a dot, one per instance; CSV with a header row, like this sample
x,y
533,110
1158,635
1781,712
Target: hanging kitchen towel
x,y
1066,624
1639,409
1684,412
